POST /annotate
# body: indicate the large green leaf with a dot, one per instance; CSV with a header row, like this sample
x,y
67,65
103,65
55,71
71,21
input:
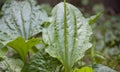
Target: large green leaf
x,y
22,46
42,62
68,35
21,18
11,65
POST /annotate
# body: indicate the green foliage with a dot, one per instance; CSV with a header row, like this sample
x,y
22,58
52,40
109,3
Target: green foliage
x,y
84,2
21,18
47,8
108,41
98,8
3,51
42,62
92,19
1,45
65,37
68,35
11,65
22,47
102,68
106,32
84,69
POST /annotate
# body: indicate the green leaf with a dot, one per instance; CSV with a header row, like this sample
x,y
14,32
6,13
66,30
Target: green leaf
x,y
92,19
100,56
21,18
3,51
84,69
42,62
12,65
1,45
68,35
22,46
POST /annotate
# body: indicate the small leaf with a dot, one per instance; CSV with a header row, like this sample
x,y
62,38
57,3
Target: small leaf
x,y
23,47
92,19
100,56
84,69
45,24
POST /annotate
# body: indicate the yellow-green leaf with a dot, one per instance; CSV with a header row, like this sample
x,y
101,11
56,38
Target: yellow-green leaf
x,y
84,69
22,46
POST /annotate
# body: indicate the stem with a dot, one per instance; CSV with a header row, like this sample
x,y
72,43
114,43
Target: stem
x,y
93,52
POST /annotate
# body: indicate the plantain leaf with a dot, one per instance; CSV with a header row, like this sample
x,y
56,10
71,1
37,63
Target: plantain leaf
x,y
21,18
68,35
42,62
23,47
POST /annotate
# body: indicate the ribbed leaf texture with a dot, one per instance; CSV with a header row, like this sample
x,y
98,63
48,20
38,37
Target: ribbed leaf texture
x,y
68,35
21,18
42,62
11,65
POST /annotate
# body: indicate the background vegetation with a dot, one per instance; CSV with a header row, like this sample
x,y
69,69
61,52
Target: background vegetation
x,y
106,37
106,29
